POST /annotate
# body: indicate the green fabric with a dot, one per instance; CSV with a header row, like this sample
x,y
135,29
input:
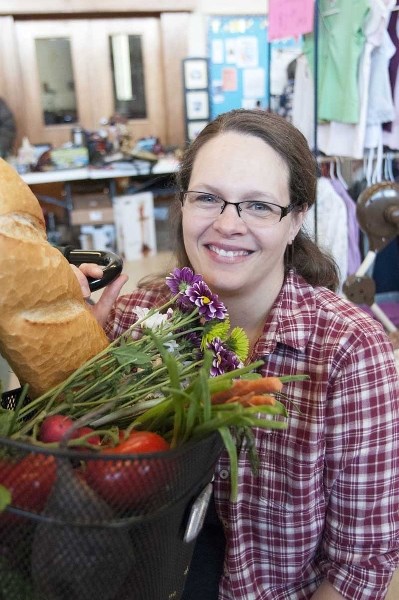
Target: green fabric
x,y
341,40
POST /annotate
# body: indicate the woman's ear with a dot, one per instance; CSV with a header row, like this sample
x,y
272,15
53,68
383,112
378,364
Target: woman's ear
x,y
297,220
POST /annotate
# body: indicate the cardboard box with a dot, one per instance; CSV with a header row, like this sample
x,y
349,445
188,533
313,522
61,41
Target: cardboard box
x,y
91,209
135,225
70,158
98,237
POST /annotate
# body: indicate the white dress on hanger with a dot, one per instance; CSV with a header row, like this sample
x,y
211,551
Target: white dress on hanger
x,y
332,225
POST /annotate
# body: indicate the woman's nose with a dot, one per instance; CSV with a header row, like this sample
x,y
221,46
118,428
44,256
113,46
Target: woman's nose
x,y
229,220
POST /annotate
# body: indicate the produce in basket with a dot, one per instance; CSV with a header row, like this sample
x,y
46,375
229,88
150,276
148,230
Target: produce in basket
x,y
172,374
42,312
145,411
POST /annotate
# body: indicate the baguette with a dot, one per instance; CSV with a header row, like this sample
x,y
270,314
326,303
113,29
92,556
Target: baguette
x,y
46,328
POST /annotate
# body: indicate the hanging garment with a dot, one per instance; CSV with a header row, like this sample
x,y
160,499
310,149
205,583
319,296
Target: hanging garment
x,y
354,255
344,139
332,225
303,100
394,63
341,40
390,136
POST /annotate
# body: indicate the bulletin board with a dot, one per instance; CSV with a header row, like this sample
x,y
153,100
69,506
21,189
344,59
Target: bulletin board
x,y
238,62
245,69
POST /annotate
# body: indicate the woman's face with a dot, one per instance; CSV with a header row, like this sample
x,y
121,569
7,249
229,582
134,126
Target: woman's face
x,y
233,257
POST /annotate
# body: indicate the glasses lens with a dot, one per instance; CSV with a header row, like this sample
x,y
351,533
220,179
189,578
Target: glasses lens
x,y
201,202
251,211
254,211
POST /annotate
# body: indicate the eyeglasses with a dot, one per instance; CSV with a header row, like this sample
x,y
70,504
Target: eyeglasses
x,y
251,211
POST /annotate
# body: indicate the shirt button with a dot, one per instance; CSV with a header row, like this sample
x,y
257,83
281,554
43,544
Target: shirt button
x,y
224,474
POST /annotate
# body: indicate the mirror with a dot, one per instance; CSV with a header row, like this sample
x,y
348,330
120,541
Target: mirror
x,y
128,75
57,85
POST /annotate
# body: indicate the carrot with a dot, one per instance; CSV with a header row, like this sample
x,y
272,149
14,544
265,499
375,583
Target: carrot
x,y
262,385
265,400
242,387
253,399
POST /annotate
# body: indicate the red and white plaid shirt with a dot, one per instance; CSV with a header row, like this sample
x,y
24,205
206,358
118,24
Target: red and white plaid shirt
x,y
325,502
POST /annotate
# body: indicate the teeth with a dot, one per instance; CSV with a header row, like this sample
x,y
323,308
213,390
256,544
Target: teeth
x,y
228,253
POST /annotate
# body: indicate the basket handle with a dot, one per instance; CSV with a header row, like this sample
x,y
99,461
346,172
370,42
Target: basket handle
x,y
112,264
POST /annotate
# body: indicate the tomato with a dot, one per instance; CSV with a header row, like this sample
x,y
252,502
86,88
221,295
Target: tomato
x,y
139,442
29,480
128,483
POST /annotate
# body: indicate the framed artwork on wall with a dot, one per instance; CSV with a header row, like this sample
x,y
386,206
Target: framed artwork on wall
x,y
196,95
195,73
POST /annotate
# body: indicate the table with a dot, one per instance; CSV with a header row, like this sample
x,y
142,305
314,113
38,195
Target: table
x,y
111,172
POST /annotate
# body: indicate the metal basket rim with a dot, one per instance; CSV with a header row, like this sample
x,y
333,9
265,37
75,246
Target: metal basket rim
x,y
98,455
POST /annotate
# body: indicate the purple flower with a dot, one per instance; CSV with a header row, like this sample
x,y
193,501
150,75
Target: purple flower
x,y
194,339
180,279
209,305
224,360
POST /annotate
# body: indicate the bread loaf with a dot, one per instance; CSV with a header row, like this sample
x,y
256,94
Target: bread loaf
x,y
46,329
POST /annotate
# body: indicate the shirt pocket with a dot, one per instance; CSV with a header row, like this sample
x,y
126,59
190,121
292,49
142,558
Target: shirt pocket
x,y
290,476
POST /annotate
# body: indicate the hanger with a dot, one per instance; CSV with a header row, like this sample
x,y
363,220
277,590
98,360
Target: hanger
x,y
340,177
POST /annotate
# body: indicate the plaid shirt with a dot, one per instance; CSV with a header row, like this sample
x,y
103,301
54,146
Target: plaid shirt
x,y
325,502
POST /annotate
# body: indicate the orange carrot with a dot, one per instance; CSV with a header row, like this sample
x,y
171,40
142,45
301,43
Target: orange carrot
x,y
265,400
243,387
253,399
262,385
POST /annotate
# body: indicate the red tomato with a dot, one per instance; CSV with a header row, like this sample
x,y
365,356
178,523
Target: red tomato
x,y
29,480
127,483
140,442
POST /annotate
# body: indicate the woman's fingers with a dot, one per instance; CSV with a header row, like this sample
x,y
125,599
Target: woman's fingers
x,y
103,307
82,279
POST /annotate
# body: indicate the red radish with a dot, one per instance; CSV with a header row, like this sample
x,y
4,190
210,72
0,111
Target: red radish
x,y
94,439
54,428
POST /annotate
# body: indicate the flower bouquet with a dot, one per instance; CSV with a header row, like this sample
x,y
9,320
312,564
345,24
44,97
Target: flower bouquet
x,y
98,475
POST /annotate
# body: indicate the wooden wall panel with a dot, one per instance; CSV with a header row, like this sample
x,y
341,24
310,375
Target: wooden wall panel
x,y
10,74
174,41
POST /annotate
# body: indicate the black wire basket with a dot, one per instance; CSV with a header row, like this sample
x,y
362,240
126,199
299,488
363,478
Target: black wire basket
x,y
82,526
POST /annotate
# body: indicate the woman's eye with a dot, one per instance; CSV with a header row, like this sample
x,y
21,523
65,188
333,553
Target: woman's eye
x,y
206,199
259,207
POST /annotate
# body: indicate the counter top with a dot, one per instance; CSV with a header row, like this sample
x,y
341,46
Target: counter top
x,y
162,167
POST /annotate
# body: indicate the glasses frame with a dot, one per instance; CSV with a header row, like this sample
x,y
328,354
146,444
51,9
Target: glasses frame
x,y
285,210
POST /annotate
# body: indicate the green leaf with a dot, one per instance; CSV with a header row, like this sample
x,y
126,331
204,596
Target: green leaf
x,y
5,498
126,355
6,419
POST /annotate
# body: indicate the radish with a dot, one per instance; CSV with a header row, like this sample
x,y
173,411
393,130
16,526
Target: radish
x,y
54,428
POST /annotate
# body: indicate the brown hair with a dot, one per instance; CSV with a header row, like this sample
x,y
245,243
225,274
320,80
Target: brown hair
x,y
315,266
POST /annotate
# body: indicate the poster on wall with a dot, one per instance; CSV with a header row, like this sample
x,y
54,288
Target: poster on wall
x,y
238,52
246,70
290,18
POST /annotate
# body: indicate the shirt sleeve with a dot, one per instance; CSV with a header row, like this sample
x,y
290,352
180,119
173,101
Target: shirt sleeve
x,y
361,538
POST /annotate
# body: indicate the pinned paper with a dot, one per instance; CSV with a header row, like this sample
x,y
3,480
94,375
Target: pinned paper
x,y
290,18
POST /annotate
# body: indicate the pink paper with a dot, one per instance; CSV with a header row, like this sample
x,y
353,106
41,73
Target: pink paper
x,y
290,18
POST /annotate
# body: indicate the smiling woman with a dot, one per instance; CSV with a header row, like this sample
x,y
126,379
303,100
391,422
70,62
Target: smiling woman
x,y
297,530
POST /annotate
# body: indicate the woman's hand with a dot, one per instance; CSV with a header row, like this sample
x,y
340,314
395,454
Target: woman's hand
x,y
111,292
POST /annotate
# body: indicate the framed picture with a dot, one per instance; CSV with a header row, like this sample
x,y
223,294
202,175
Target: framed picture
x,y
197,105
195,73
194,128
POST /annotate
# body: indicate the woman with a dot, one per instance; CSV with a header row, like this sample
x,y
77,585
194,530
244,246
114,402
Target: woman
x,y
320,519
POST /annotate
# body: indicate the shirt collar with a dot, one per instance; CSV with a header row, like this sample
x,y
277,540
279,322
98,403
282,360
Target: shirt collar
x,y
291,317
